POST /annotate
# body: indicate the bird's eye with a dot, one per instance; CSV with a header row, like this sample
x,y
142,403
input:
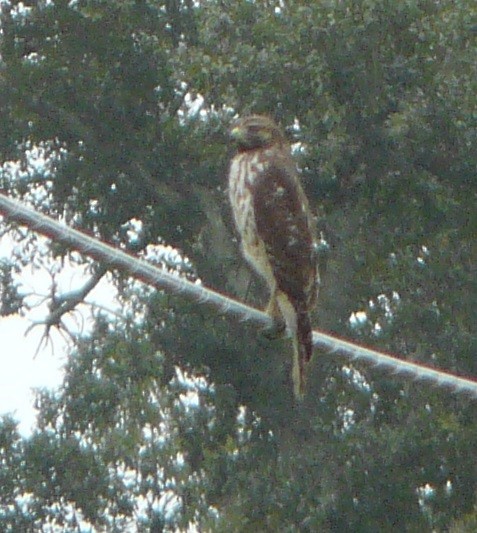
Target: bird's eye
x,y
264,135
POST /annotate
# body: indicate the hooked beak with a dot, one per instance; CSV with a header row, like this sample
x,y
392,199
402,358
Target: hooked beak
x,y
237,133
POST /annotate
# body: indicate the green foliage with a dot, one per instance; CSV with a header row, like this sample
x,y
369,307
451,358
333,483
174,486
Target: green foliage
x,y
129,103
10,300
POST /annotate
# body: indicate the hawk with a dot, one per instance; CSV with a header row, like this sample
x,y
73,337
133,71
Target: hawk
x,y
273,219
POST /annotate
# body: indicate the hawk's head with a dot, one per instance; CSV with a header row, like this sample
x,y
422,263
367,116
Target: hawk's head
x,y
256,131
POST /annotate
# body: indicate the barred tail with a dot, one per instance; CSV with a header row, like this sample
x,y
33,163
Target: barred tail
x,y
302,349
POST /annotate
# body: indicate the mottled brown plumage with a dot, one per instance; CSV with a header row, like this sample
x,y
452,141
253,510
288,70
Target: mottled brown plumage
x,y
273,219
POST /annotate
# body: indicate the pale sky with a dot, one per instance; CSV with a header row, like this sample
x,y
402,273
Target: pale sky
x,y
20,370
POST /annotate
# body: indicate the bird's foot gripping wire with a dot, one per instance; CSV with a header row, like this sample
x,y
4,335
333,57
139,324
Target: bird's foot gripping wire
x,y
275,330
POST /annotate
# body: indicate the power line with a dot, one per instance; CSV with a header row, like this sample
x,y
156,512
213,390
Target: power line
x,y
148,273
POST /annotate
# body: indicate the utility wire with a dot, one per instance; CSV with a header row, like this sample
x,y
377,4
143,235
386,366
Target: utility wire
x,y
138,268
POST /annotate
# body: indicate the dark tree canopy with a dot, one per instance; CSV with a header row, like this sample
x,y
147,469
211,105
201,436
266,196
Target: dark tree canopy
x,y
170,416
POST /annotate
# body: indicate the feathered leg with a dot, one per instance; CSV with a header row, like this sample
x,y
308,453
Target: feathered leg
x,y
277,329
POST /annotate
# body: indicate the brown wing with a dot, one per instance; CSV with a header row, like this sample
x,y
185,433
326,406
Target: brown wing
x,y
282,221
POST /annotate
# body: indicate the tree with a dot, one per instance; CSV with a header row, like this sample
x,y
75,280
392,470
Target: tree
x,y
172,416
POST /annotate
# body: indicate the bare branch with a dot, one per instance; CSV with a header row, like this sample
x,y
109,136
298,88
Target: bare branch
x,y
65,303
60,305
